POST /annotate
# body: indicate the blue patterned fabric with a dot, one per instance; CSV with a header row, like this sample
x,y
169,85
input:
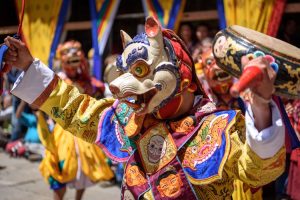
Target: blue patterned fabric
x,y
206,169
111,136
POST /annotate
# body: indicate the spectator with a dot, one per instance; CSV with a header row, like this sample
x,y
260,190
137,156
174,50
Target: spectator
x,y
5,119
186,33
110,72
29,120
29,144
7,109
293,110
202,32
289,33
18,129
203,43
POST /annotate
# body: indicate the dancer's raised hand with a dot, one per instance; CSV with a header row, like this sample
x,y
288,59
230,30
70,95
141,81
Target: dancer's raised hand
x,y
18,55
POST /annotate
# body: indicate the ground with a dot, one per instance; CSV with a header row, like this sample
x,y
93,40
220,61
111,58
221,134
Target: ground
x,y
20,179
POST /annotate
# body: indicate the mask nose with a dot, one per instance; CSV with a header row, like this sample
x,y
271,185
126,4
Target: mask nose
x,y
72,52
114,89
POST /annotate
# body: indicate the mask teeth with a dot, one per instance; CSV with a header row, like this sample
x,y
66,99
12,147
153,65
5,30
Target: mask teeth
x,y
141,108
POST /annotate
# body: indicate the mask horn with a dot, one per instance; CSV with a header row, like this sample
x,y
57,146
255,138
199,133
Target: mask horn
x,y
125,38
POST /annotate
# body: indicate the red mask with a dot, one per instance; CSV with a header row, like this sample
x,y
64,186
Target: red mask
x,y
219,80
72,58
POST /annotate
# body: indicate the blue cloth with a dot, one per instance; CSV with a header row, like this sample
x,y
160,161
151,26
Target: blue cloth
x,y
294,141
59,28
97,58
112,138
54,184
119,173
12,75
221,14
30,121
3,50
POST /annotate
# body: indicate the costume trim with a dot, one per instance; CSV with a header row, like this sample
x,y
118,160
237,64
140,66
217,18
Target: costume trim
x,y
267,142
46,93
32,83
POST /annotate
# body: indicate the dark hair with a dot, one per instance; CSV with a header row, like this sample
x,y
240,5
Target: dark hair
x,y
189,25
186,24
164,175
134,164
203,24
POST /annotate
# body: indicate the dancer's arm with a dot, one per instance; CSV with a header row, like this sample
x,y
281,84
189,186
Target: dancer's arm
x,y
257,154
261,94
40,87
265,130
256,160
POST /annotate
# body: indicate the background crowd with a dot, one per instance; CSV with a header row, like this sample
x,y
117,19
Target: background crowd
x,y
19,131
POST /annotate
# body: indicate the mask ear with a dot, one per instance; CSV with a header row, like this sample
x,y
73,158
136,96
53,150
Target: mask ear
x,y
154,33
152,27
125,38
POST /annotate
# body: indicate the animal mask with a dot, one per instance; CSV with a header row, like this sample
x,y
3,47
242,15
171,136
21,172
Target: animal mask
x,y
156,69
218,80
72,59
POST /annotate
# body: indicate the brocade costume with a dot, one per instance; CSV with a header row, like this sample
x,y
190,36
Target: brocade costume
x,y
203,151
294,170
70,160
170,151
216,84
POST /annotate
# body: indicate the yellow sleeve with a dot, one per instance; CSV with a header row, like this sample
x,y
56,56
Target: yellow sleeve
x,y
47,139
75,112
246,165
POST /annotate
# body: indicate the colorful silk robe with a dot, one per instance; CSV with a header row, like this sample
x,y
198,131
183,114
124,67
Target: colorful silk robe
x,y
195,157
241,191
64,152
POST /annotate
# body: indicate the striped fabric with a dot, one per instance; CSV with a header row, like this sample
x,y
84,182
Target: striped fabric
x,y
103,13
167,12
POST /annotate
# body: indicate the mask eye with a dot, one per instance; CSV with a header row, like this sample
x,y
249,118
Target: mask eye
x,y
140,70
209,61
194,149
64,51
